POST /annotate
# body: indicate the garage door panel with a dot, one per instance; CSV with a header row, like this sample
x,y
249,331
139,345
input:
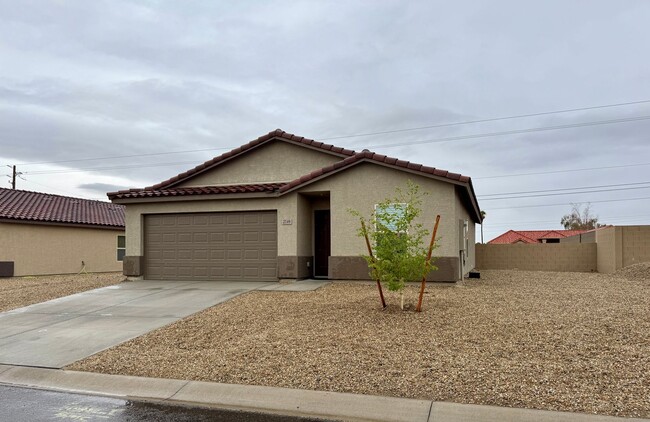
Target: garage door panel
x,y
234,237
269,272
200,238
218,237
211,246
269,236
184,237
217,219
252,236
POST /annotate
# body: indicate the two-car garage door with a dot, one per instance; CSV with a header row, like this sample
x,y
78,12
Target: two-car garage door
x,y
211,246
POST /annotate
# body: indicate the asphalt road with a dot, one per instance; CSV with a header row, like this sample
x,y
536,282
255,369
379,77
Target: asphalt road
x,y
26,404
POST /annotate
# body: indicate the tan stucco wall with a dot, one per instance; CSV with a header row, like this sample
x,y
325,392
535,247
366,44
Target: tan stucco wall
x,y
470,256
621,246
367,184
635,244
286,207
277,161
304,227
579,257
42,249
607,258
359,187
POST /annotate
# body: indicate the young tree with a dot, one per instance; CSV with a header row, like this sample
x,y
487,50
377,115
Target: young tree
x,y
400,254
579,219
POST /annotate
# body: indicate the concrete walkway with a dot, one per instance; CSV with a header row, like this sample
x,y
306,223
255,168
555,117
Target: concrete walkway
x,y
328,405
56,333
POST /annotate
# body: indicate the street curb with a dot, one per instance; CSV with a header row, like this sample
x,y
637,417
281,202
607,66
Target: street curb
x,y
307,403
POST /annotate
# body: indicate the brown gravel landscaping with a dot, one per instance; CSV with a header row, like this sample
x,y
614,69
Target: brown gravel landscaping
x,y
558,341
16,292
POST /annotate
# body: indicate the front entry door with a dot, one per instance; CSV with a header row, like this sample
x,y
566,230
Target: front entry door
x,y
322,242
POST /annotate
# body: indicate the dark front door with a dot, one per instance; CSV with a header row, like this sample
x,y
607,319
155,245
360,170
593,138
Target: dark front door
x,y
321,242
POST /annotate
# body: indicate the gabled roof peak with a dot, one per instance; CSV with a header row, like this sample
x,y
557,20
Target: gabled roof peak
x,y
275,134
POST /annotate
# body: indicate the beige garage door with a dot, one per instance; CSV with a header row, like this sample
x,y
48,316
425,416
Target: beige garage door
x,y
211,246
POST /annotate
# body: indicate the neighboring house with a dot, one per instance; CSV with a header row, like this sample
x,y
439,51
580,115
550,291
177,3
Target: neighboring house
x,y
534,236
277,208
51,234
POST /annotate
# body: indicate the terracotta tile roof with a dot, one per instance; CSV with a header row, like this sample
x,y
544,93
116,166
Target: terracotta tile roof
x,y
203,190
276,134
349,158
366,155
533,236
44,207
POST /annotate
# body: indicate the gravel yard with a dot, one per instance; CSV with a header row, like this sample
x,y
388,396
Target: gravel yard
x,y
16,292
558,341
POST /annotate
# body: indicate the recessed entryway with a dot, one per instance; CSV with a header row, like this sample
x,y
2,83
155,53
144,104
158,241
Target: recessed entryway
x,y
322,243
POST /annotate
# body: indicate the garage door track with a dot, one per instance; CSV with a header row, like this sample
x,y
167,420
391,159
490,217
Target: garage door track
x,y
56,333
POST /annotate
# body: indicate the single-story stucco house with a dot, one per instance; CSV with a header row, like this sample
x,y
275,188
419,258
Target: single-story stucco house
x,y
44,234
277,208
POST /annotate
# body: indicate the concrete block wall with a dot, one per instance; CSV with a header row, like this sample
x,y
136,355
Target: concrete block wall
x,y
579,257
604,250
606,240
636,244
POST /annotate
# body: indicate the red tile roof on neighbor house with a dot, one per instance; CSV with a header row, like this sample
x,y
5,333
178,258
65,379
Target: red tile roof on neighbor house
x,y
533,236
29,206
349,158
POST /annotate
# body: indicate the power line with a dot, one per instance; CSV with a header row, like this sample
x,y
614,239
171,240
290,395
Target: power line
x,y
562,171
564,193
409,129
56,189
493,119
127,156
474,136
618,218
562,189
513,132
565,204
109,168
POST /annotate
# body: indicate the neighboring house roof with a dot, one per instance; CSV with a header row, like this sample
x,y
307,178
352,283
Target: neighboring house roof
x,y
26,206
533,236
349,159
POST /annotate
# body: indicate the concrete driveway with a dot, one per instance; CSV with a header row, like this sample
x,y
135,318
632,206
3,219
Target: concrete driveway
x,y
56,333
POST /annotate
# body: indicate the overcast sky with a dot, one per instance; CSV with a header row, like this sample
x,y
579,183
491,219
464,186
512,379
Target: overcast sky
x,y
86,79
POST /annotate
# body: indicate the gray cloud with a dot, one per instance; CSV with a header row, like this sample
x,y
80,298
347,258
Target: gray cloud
x,y
107,78
101,188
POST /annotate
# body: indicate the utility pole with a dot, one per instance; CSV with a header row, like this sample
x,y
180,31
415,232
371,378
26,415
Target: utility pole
x,y
13,176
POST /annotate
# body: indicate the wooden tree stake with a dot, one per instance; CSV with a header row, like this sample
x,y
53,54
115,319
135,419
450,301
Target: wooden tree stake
x,y
372,257
424,279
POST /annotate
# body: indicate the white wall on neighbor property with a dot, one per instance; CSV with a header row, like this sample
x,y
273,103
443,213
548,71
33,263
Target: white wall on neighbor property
x,y
38,249
277,161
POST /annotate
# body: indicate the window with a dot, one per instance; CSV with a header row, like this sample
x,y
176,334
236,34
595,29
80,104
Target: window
x,y
388,215
121,247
